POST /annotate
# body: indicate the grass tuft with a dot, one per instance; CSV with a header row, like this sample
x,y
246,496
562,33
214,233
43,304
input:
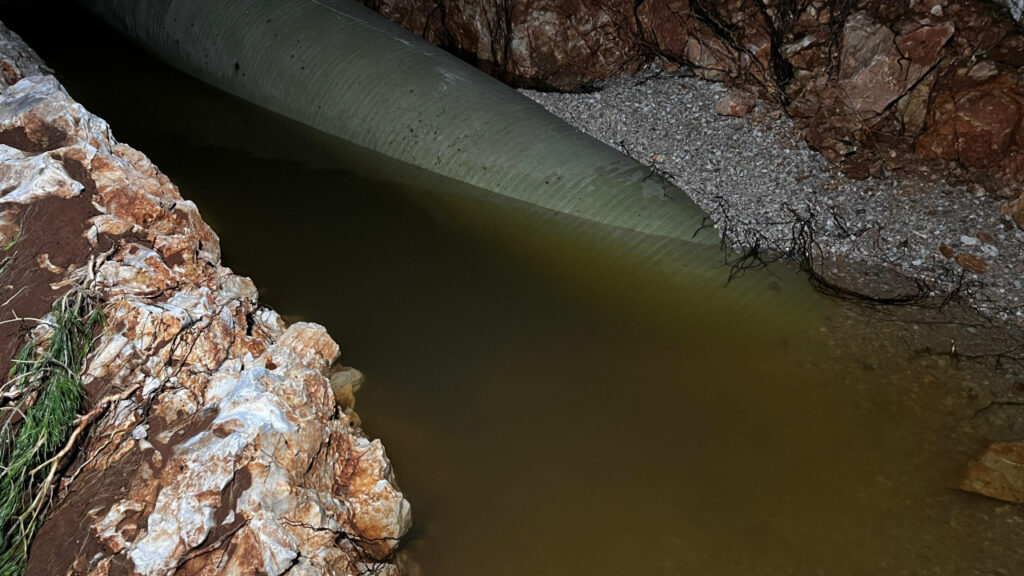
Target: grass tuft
x,y
40,404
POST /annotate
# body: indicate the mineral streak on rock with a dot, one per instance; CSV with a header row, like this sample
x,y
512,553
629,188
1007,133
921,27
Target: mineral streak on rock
x,y
223,450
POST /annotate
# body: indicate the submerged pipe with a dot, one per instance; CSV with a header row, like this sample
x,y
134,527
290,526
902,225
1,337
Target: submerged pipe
x,y
340,68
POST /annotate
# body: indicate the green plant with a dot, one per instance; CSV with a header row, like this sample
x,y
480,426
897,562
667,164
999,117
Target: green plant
x,y
41,402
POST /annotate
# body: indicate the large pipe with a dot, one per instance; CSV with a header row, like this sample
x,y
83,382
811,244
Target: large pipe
x,y
342,69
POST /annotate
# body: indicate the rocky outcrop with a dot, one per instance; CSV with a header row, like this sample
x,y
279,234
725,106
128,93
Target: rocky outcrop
x,y
217,445
871,84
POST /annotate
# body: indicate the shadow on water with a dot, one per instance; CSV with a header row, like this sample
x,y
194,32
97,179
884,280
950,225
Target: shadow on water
x,y
560,398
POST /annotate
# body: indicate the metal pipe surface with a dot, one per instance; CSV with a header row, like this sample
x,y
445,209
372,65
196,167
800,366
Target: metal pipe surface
x,y
338,67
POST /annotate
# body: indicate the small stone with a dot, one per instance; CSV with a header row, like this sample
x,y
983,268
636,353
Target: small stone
x,y
344,384
968,240
946,250
736,103
937,11
972,263
998,473
43,260
990,250
985,237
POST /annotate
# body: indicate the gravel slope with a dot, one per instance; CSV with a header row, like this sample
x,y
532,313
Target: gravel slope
x,y
884,237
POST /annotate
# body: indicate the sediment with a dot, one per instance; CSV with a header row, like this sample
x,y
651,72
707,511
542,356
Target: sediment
x,y
213,442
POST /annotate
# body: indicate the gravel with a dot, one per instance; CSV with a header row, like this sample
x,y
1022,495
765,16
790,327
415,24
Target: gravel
x,y
766,190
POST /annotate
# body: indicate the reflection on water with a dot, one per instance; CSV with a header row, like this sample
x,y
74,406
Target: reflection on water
x,y
555,403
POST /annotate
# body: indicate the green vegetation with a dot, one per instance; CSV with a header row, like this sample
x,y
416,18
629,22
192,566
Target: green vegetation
x,y
39,406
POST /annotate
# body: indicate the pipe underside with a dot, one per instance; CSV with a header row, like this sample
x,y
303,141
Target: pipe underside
x,y
342,69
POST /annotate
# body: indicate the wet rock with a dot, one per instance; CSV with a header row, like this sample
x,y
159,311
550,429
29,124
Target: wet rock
x,y
220,447
736,103
998,473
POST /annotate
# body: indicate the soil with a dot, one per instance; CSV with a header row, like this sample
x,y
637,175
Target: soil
x,y
52,226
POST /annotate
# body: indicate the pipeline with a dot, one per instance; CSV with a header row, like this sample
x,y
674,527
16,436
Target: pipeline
x,y
338,67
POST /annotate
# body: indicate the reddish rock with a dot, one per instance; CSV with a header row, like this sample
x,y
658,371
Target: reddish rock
x,y
561,44
736,103
945,250
939,139
877,67
998,473
986,121
914,106
972,263
1015,209
857,169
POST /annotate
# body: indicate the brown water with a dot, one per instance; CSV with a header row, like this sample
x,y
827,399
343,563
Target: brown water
x,y
561,399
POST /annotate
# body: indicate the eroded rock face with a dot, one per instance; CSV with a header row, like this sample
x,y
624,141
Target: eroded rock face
x,y
221,449
863,79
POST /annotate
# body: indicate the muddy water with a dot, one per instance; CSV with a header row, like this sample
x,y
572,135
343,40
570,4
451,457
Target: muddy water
x,y
559,399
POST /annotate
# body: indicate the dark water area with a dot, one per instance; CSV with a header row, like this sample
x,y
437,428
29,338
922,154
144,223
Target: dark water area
x,y
554,403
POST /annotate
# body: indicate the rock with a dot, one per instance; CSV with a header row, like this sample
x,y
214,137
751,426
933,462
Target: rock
x,y
1015,210
17,60
914,106
1016,8
562,44
345,383
736,103
998,473
877,67
972,263
946,251
939,139
986,119
221,448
